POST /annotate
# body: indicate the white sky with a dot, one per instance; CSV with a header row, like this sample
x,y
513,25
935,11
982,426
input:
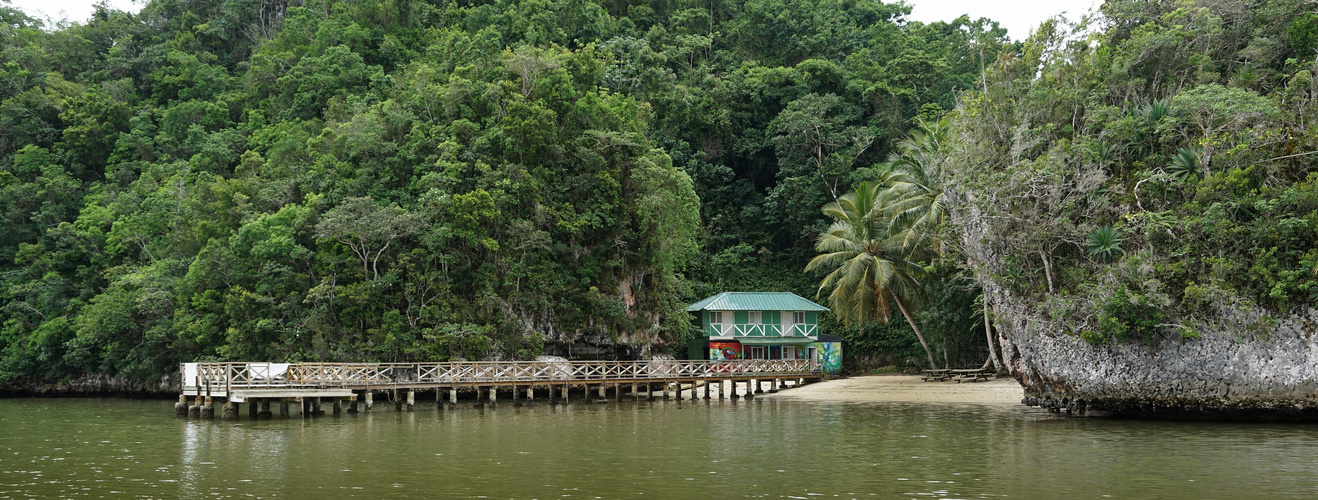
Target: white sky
x,y
1019,17
73,10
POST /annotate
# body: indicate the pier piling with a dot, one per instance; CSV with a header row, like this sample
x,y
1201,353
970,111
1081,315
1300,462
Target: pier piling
x,y
229,411
265,410
181,407
283,408
411,399
370,402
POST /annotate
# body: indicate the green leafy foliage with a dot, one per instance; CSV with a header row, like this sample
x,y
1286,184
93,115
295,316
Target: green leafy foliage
x,y
1187,121
1126,317
409,180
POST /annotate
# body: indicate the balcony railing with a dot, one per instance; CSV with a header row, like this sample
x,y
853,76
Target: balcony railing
x,y
759,330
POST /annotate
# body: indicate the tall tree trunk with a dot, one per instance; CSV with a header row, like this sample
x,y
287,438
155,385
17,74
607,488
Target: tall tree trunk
x,y
918,335
988,334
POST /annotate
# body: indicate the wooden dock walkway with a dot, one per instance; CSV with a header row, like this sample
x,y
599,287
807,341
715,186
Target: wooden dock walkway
x,y
258,383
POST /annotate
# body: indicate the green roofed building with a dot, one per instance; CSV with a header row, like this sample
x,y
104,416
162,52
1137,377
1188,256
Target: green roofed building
x,y
763,325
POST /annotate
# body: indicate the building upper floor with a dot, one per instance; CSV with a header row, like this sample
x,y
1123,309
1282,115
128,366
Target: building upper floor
x,y
732,315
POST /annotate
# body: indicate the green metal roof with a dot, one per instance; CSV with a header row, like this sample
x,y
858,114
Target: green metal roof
x,y
755,301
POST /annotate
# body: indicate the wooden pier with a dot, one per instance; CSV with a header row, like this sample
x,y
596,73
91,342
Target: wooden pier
x,y
354,384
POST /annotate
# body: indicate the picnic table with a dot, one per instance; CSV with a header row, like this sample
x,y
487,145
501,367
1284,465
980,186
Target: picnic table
x,y
970,374
933,374
960,374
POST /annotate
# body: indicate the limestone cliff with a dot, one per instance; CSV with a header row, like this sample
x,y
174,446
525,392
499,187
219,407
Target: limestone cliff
x,y
1232,371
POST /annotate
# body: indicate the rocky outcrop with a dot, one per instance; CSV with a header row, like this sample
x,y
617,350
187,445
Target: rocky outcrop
x,y
98,385
1231,372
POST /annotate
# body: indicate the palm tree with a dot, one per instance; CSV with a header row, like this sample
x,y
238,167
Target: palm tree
x,y
914,176
869,268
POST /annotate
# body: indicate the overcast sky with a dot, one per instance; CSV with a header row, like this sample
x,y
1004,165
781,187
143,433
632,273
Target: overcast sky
x,y
1019,17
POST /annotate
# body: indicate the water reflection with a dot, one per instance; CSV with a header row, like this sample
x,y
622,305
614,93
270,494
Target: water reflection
x,y
664,449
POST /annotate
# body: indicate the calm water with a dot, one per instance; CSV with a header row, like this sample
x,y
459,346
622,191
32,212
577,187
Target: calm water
x,y
121,448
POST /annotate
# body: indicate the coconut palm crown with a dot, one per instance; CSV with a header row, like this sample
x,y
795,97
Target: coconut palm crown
x,y
869,270
914,176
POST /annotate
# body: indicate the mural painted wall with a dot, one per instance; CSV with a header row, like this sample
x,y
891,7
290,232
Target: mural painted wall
x,y
725,350
830,356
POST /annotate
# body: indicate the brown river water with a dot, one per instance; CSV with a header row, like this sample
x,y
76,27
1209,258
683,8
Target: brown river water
x,y
764,448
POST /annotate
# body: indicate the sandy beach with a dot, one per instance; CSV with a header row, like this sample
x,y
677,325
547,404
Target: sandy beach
x,y
905,389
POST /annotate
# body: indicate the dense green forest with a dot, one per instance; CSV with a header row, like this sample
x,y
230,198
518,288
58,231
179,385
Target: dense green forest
x,y
1150,174
405,179
499,179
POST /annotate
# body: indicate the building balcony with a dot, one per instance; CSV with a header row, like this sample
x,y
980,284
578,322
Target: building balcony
x,y
769,331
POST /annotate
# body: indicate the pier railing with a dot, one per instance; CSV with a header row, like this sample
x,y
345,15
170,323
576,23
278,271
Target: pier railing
x,y
228,376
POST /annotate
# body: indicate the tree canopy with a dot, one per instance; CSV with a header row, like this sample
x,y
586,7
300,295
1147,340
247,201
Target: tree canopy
x,y
1149,173
494,179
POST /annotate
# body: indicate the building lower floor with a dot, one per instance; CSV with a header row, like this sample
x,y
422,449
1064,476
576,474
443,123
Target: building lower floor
x,y
826,350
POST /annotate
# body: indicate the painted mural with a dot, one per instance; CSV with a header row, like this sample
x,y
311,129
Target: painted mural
x,y
830,356
724,350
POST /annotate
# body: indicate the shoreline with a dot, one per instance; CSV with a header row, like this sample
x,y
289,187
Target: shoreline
x,y
898,388
885,388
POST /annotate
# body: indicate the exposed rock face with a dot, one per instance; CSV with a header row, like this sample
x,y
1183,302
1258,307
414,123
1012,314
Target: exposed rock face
x,y
98,385
1226,374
